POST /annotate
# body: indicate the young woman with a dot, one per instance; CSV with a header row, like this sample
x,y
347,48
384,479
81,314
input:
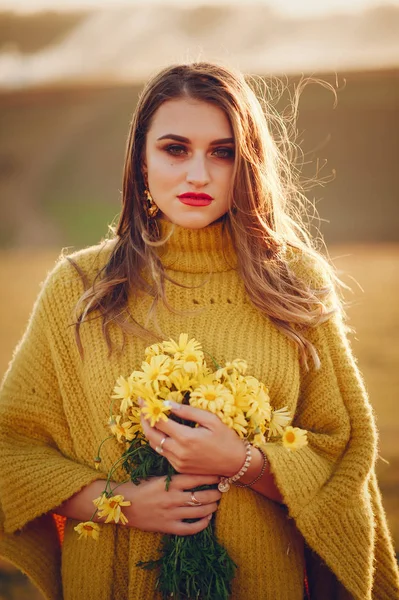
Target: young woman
x,y
208,244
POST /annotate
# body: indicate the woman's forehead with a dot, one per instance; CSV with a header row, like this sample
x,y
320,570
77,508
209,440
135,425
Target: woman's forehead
x,y
191,119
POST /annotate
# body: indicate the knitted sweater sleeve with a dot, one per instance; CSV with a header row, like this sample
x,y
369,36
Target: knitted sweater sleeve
x,y
38,466
329,486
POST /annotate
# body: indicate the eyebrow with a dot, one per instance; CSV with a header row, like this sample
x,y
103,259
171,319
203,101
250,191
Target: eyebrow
x,y
179,138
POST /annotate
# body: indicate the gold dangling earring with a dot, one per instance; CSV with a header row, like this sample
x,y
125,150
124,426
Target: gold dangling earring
x,y
149,205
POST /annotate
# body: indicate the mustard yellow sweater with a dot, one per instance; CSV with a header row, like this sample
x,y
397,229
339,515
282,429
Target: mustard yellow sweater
x,y
54,407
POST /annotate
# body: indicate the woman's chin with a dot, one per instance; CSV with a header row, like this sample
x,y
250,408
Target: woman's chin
x,y
197,218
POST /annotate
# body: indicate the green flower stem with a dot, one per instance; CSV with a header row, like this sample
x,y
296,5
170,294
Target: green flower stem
x,y
115,466
100,446
193,567
215,362
93,515
119,484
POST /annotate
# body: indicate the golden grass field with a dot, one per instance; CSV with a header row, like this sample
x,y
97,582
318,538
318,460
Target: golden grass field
x,y
374,314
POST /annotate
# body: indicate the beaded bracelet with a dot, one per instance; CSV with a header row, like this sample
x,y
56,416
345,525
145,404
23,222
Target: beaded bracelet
x,y
262,472
225,482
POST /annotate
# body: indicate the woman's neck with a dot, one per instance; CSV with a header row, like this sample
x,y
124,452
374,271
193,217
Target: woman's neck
x,y
206,250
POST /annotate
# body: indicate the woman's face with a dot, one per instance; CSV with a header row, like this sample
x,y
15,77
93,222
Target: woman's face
x,y
189,161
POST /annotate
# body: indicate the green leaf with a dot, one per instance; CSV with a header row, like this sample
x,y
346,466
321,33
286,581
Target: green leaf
x,y
188,567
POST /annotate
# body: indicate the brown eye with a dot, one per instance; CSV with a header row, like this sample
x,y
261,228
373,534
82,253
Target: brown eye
x,y
223,153
175,150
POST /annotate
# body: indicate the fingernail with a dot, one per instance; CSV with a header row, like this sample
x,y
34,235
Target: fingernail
x,y
210,517
140,401
171,404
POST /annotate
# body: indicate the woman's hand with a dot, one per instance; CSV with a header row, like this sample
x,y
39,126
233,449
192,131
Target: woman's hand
x,y
152,508
209,448
155,509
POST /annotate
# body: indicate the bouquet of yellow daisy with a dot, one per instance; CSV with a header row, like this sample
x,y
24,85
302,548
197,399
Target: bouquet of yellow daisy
x,y
189,566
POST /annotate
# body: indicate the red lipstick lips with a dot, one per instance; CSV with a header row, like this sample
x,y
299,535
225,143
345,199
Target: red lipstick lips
x,y
193,199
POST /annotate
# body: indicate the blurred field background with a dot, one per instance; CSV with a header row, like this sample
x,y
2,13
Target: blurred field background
x,y
61,156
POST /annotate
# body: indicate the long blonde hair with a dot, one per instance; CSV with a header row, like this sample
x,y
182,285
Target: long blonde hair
x,y
265,218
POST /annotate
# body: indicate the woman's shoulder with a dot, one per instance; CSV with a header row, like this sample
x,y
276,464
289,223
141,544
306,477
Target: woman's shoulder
x,y
317,275
310,266
74,272
90,260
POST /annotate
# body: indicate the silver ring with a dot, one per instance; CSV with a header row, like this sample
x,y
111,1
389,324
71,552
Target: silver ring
x,y
159,448
194,501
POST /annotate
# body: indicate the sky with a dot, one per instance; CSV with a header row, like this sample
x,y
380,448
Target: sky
x,y
293,8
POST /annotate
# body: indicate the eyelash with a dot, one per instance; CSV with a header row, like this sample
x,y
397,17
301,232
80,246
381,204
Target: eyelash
x,y
171,149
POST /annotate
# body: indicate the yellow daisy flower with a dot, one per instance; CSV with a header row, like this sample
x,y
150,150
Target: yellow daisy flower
x,y
88,529
229,409
153,372
111,508
212,397
139,389
124,432
190,364
253,384
232,369
175,397
236,422
153,350
204,376
294,438
260,407
100,500
163,393
280,419
154,411
263,398
182,380
187,353
237,364
241,365
183,346
134,417
123,391
243,397
227,375
258,440
257,423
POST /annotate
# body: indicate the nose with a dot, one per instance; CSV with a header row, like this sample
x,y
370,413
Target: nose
x,y
198,173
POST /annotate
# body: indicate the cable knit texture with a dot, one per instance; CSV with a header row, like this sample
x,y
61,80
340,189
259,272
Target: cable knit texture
x,y
53,414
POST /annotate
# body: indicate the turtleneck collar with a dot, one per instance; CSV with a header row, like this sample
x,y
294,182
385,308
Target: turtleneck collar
x,y
206,250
